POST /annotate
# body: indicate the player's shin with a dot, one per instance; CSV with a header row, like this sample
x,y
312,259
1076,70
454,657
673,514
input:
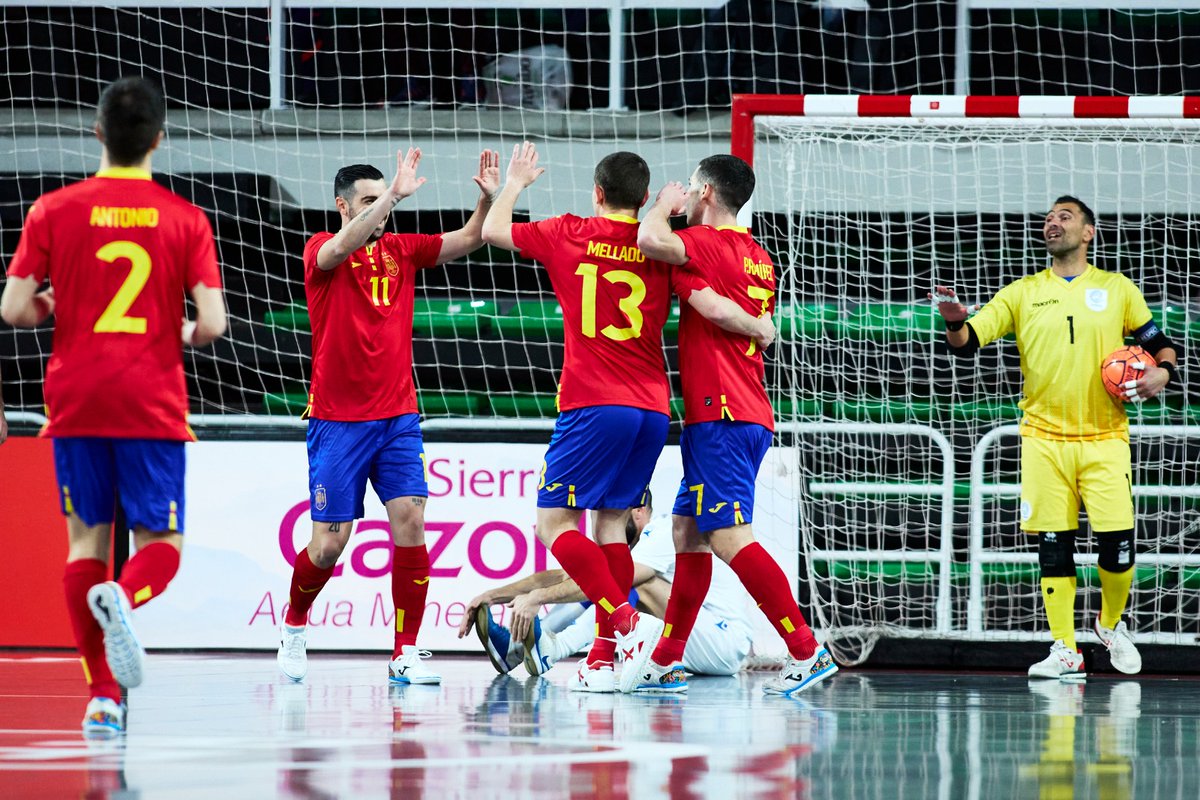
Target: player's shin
x,y
585,563
78,577
147,574
1056,557
620,566
693,574
1116,574
770,588
410,587
307,581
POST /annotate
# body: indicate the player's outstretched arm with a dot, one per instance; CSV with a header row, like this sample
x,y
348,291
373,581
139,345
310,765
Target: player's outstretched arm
x,y
23,306
955,315
523,170
469,237
728,315
506,593
655,237
358,231
211,321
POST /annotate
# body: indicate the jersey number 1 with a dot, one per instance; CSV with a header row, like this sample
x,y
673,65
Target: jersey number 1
x,y
114,319
630,305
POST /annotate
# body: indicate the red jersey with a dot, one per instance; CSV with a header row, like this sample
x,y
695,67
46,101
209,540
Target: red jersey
x,y
614,304
722,372
120,251
362,321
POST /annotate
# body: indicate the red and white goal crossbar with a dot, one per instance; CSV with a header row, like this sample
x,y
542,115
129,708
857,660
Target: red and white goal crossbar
x,y
748,106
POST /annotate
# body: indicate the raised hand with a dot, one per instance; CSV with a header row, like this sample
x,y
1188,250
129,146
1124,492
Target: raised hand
x,y
674,197
406,181
948,304
488,179
522,168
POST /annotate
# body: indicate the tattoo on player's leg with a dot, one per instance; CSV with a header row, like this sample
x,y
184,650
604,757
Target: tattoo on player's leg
x,y
334,527
418,501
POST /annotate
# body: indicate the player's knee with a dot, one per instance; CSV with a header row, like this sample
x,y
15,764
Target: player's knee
x,y
1056,554
1116,550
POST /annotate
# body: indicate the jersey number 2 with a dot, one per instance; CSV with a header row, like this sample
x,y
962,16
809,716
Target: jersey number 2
x,y
114,319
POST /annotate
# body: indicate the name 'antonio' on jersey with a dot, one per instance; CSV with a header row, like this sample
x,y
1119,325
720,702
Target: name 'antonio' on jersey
x,y
614,304
722,372
1064,330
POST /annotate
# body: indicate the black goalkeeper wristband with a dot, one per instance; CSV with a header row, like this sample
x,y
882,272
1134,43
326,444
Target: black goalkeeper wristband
x,y
1172,371
955,326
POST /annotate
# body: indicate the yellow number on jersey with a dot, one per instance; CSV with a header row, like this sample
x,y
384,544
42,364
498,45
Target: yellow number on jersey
x,y
375,294
630,305
113,320
764,294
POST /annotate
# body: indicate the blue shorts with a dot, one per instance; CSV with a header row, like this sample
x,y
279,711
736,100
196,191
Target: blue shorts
x,y
601,457
146,474
343,455
720,465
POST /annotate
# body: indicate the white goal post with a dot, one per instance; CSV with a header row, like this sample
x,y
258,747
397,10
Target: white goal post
x,y
867,202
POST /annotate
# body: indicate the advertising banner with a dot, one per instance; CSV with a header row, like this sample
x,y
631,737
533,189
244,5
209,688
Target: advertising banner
x,y
247,516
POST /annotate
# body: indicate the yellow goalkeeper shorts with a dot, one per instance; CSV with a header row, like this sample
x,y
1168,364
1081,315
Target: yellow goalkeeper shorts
x,y
1057,476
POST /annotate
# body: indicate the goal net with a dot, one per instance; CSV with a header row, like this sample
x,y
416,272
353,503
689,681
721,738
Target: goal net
x,y
871,201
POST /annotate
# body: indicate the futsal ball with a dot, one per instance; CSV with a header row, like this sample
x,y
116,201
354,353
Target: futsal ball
x,y
1117,369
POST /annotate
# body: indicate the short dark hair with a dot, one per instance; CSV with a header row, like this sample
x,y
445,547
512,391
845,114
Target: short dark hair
x,y
1088,216
131,113
343,182
632,534
624,177
731,178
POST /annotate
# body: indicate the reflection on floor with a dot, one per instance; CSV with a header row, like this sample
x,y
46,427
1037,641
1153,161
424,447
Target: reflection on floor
x,y
228,727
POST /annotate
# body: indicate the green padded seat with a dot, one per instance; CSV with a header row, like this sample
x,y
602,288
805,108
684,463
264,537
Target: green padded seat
x,y
290,404
531,320
883,410
453,319
523,405
452,404
891,322
997,411
292,318
805,321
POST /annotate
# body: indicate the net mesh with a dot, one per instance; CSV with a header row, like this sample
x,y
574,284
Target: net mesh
x,y
867,217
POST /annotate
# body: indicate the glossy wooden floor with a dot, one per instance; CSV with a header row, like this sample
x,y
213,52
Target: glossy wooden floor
x,y
225,726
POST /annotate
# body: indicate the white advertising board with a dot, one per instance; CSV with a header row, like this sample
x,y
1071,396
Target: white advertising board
x,y
247,516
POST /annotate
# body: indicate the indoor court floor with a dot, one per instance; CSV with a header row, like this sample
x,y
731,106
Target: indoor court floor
x,y
227,726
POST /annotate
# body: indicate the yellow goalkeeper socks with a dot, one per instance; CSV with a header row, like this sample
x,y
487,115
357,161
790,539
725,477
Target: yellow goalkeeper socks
x,y
1059,594
1114,589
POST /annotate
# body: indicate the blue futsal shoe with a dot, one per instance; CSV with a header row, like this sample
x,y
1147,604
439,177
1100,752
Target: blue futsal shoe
x,y
798,675
504,652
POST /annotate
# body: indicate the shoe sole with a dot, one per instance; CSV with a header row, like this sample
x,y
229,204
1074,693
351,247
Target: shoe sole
x,y
637,665
481,630
660,689
96,731
414,682
1061,676
811,681
533,654
123,651
293,678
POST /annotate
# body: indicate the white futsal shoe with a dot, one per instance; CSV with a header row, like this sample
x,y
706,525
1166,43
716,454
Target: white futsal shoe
x,y
1121,650
1063,662
635,649
103,719
293,651
409,669
600,679
126,657
797,675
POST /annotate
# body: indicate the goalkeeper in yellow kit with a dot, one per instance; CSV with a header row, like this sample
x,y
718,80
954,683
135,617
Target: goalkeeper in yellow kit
x,y
1074,435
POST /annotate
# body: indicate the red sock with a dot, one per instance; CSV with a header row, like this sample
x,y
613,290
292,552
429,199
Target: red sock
x,y
585,563
307,582
78,577
693,574
620,566
769,587
410,587
147,574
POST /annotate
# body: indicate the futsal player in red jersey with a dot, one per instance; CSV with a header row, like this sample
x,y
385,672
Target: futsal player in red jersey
x,y
119,252
363,421
613,394
728,423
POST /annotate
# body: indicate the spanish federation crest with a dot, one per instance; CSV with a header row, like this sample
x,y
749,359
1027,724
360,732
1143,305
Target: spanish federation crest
x,y
1096,299
319,498
390,265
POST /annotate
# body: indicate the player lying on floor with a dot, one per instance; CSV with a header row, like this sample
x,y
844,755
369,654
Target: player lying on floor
x,y
719,643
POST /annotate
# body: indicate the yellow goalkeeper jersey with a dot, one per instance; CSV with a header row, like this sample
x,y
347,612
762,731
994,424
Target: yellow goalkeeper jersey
x,y
1064,330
